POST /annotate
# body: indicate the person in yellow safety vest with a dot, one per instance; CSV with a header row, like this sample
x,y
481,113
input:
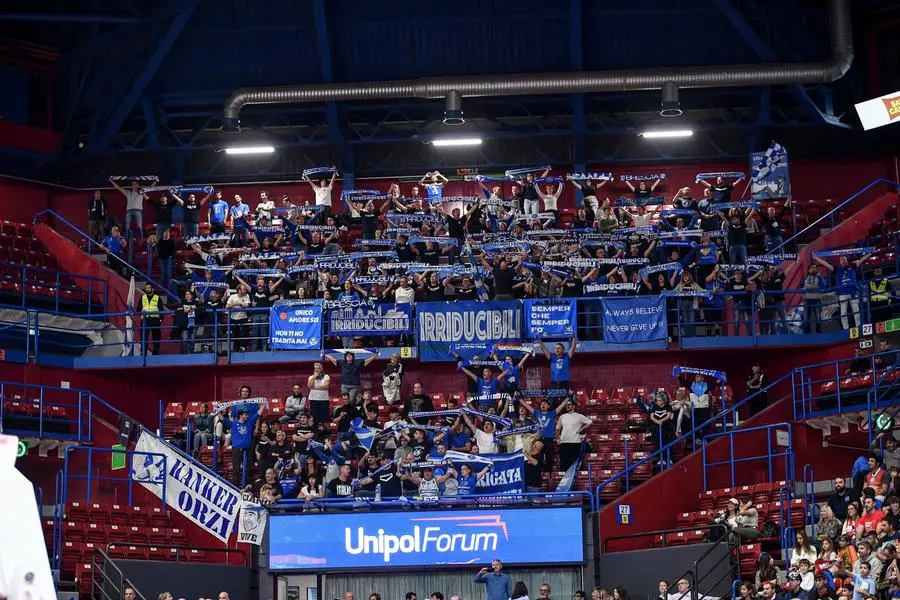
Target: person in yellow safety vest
x,y
880,297
151,304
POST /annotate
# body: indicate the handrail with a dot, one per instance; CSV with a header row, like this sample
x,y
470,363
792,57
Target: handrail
x,y
226,550
291,504
124,581
832,212
641,534
90,240
656,455
788,454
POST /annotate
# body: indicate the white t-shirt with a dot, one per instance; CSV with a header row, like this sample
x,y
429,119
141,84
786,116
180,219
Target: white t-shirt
x,y
235,301
485,441
550,199
569,425
640,220
134,200
405,296
429,488
323,195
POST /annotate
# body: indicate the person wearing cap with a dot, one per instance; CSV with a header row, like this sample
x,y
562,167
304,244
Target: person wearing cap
x,y
745,521
428,484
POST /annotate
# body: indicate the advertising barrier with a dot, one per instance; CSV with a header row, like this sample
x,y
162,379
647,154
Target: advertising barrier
x,y
328,542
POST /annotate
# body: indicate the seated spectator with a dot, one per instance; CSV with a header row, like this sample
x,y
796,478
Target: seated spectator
x,y
870,517
203,427
839,499
851,523
765,571
803,548
267,488
342,485
828,558
828,526
293,405
867,558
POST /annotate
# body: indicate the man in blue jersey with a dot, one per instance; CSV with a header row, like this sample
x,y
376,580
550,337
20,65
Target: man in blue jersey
x,y
559,364
845,276
241,443
218,211
433,182
546,418
487,383
240,224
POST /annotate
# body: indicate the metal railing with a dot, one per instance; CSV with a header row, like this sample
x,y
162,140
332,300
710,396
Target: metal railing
x,y
44,411
81,235
92,291
852,384
830,216
770,455
109,586
698,429
581,498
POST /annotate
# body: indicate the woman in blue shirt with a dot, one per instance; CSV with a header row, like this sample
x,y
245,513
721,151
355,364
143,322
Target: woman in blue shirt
x,y
467,480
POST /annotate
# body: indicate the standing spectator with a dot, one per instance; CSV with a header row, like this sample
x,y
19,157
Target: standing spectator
x,y
114,245
878,479
418,401
163,214
847,289
496,583
241,443
240,320
151,307
165,255
191,208
98,210
484,435
662,417
863,583
755,383
880,296
203,424
262,298
294,405
134,206
534,466
812,284
570,427
772,226
218,214
699,402
737,235
350,370
392,379
546,418
319,385
559,364
187,318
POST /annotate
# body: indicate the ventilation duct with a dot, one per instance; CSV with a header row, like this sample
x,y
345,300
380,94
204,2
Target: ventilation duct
x,y
529,84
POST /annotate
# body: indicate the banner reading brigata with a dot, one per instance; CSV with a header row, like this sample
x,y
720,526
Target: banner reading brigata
x,y
507,476
296,325
362,318
632,320
444,323
550,318
208,501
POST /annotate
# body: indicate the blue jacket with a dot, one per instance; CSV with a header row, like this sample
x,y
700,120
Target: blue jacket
x,y
241,433
496,585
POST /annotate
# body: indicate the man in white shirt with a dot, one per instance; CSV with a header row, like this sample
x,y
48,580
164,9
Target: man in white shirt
x,y
570,428
484,436
24,567
404,294
322,189
134,206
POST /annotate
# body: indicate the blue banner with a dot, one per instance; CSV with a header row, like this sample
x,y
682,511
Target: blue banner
x,y
550,318
770,176
507,476
633,320
364,540
370,319
294,326
442,324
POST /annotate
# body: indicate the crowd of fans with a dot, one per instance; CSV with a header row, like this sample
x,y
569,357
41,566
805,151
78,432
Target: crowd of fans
x,y
850,553
425,248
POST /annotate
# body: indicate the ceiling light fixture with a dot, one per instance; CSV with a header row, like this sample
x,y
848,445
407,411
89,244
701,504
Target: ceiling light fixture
x,y
250,150
453,114
446,142
671,105
666,133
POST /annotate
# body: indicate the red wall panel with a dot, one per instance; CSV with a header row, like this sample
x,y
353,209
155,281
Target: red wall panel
x,y
20,201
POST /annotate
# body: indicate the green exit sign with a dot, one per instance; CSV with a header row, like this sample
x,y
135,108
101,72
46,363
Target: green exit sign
x,y
892,325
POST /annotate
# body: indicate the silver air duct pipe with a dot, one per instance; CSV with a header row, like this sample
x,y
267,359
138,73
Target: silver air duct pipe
x,y
528,84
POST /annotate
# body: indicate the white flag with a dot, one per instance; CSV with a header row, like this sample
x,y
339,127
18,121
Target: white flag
x,y
252,521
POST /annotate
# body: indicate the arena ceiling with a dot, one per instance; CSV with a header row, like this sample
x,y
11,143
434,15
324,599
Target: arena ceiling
x,y
139,86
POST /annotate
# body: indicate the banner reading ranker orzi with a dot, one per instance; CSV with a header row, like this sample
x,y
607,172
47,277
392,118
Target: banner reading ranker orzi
x,y
441,324
634,320
207,500
295,325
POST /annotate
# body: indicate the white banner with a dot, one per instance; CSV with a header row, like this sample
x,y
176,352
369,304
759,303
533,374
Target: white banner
x,y
209,501
252,524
